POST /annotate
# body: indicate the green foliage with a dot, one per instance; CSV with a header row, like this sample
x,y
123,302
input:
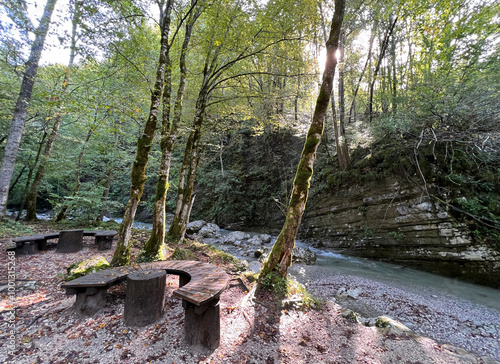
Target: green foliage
x,y
275,283
11,228
396,235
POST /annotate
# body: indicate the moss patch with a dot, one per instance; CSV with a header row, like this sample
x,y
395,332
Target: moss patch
x,y
80,269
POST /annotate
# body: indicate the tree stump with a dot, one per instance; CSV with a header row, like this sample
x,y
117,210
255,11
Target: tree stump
x,y
70,241
145,298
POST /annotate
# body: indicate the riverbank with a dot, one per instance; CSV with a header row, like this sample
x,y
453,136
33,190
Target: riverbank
x,y
443,317
254,329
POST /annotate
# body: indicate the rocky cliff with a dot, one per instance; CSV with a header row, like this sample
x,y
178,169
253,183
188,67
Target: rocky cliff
x,y
393,221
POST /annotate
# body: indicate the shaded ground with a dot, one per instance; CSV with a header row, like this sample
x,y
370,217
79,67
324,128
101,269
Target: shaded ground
x,y
253,330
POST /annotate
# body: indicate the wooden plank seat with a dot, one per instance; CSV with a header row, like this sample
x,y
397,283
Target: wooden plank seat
x,y
200,287
91,290
29,244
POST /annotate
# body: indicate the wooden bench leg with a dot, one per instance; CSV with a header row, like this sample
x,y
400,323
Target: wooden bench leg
x,y
202,324
104,242
27,248
89,301
42,244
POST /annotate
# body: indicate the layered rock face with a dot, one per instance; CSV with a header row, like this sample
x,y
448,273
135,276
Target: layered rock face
x,y
395,222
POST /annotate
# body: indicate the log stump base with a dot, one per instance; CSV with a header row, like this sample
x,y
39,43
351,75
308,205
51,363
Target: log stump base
x,y
145,298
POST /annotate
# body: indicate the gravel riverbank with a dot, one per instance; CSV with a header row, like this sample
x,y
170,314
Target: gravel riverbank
x,y
443,317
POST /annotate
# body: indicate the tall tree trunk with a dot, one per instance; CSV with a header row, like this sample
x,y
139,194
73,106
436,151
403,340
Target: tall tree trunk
x,y
21,108
40,173
336,127
62,212
383,49
138,176
188,172
343,147
394,83
153,246
105,193
352,109
30,175
280,257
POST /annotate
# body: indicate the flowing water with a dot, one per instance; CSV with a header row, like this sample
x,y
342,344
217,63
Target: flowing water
x,y
335,263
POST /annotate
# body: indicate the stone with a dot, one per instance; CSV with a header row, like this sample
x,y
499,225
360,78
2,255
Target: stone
x,y
255,266
350,315
195,226
258,253
85,267
353,293
236,236
303,255
391,326
210,230
255,240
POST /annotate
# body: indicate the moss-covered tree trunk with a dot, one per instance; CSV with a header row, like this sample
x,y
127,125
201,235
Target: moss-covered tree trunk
x,y
188,173
280,257
138,176
21,108
152,247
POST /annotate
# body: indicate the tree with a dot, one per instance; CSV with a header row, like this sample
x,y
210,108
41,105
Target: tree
x,y
33,193
122,252
280,257
169,132
21,108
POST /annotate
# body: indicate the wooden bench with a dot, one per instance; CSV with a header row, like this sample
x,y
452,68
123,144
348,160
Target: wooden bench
x,y
29,244
200,287
33,243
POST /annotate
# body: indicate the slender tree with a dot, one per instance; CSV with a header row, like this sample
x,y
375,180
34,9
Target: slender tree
x,y
169,131
21,108
33,193
280,257
123,250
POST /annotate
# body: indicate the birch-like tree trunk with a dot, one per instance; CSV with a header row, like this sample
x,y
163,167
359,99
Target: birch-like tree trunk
x,y
138,176
40,173
21,108
153,246
280,257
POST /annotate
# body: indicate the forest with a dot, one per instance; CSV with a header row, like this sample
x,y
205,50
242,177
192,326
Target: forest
x,y
145,105
246,133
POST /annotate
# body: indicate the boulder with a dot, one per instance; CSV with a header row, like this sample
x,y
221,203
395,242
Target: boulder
x,y
85,267
303,255
195,226
210,230
255,266
236,238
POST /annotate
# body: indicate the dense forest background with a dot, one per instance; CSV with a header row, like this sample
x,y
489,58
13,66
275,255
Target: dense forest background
x,y
416,94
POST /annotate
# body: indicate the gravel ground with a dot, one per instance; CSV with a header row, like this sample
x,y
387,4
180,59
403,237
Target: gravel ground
x,y
253,330
445,318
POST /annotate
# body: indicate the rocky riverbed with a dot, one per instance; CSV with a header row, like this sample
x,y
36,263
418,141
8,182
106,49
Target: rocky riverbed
x,y
443,317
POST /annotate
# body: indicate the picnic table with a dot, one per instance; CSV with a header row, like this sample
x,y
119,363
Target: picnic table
x,y
200,287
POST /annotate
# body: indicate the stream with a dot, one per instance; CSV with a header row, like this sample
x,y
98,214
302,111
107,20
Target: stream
x,y
334,263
